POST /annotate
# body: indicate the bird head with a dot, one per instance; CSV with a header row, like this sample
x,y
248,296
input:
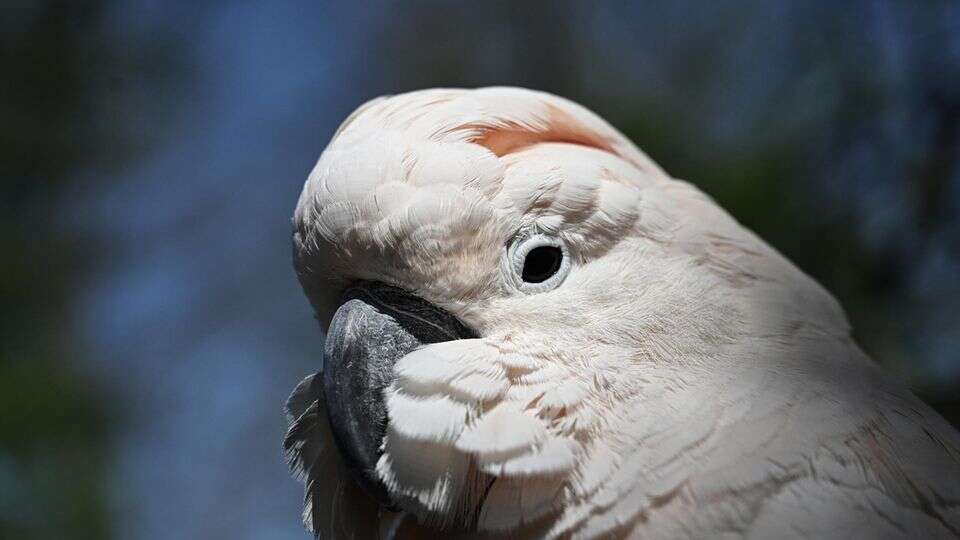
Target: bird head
x,y
517,299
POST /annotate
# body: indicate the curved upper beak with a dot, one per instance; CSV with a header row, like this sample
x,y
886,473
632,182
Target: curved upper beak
x,y
375,326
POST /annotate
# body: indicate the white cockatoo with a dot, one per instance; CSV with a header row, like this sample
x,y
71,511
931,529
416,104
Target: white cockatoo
x,y
534,331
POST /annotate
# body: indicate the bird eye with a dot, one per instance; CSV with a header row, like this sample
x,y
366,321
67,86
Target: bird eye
x,y
541,263
536,263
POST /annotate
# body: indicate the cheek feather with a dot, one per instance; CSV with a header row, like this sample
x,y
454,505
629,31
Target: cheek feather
x,y
504,431
683,380
432,419
500,417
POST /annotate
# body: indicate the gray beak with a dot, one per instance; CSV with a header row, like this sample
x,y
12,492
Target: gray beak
x,y
374,327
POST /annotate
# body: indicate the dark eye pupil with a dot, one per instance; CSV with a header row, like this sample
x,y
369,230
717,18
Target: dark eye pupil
x,y
541,263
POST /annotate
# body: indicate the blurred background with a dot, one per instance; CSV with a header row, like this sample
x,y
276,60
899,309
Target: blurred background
x,y
152,153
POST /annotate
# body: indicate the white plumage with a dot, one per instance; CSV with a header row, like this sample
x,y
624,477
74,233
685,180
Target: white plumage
x,y
684,380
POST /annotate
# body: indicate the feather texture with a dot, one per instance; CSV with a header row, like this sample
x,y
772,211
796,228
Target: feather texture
x,y
333,505
684,380
304,446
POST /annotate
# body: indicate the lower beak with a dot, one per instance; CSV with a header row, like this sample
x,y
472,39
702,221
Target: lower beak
x,y
374,327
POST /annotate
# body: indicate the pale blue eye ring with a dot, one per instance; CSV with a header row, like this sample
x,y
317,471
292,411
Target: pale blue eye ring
x,y
536,263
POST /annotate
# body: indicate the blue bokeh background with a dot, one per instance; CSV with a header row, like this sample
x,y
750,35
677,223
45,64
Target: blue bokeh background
x,y
154,151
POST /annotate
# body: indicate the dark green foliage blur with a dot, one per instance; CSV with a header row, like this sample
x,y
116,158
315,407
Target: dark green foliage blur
x,y
830,129
60,93
54,428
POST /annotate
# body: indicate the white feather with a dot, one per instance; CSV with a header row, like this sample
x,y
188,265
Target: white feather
x,y
434,418
684,380
506,429
428,474
554,455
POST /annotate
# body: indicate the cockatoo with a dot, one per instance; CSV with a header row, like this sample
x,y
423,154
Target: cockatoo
x,y
533,331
